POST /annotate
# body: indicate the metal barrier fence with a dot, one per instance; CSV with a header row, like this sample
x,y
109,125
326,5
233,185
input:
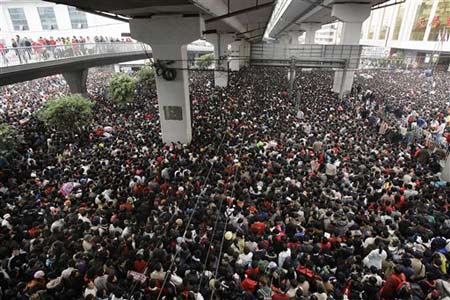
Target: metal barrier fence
x,y
24,55
350,53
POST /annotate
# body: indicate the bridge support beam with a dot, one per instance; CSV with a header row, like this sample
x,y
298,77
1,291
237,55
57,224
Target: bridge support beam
x,y
77,81
220,42
169,37
310,32
352,15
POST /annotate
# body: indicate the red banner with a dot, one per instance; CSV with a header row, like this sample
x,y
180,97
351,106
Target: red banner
x,y
448,21
421,23
435,22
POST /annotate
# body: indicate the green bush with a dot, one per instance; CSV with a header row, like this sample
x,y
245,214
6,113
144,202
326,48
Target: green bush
x,y
8,139
205,61
67,114
146,76
122,88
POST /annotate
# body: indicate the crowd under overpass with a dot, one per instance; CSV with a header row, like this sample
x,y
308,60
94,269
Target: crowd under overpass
x,y
236,28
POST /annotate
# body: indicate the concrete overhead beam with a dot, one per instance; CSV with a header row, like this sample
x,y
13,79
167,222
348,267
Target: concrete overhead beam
x,y
219,8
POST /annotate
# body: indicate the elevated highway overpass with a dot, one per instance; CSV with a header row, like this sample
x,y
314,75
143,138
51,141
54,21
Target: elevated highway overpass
x,y
236,28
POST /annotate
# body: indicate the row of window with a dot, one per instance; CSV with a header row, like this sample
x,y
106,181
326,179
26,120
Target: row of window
x,y
48,18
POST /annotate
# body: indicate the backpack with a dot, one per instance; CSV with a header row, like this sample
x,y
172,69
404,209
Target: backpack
x,y
416,292
403,290
264,294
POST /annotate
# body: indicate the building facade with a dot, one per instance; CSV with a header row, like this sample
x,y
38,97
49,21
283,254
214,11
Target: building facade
x,y
327,35
419,30
34,19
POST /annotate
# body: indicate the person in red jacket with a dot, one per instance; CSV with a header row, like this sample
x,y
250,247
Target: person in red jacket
x,y
393,283
281,293
3,52
253,269
258,227
249,283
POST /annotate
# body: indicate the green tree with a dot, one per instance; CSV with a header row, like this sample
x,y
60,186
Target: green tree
x,y
205,61
122,88
146,76
66,114
9,140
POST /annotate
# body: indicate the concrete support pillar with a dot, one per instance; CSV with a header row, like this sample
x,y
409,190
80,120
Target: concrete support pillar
x,y
352,15
239,54
293,37
244,53
235,56
220,42
169,36
77,81
284,39
445,173
310,32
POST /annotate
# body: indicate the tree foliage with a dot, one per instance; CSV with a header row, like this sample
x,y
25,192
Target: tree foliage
x,y
146,76
205,61
122,88
9,140
67,114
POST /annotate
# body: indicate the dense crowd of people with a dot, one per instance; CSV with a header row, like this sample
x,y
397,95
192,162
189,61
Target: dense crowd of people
x,y
313,198
26,49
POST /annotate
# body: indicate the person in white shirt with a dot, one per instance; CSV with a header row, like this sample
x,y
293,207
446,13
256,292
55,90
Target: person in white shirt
x,y
283,256
375,258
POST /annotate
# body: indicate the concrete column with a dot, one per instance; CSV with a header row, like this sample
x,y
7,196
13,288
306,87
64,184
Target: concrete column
x,y
77,81
352,15
235,56
310,32
244,53
169,36
284,39
220,42
240,54
293,37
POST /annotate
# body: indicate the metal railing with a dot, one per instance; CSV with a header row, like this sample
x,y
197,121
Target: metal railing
x,y
24,55
316,53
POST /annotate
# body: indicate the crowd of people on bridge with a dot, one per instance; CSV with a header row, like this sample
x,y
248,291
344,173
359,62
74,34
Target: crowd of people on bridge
x,y
26,49
311,198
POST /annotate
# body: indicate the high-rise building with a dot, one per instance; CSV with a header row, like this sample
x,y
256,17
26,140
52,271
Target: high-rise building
x,y
327,35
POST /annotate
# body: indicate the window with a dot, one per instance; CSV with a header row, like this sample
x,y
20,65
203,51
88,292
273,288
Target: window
x,y
440,25
18,19
48,19
372,24
77,18
398,21
421,20
387,16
